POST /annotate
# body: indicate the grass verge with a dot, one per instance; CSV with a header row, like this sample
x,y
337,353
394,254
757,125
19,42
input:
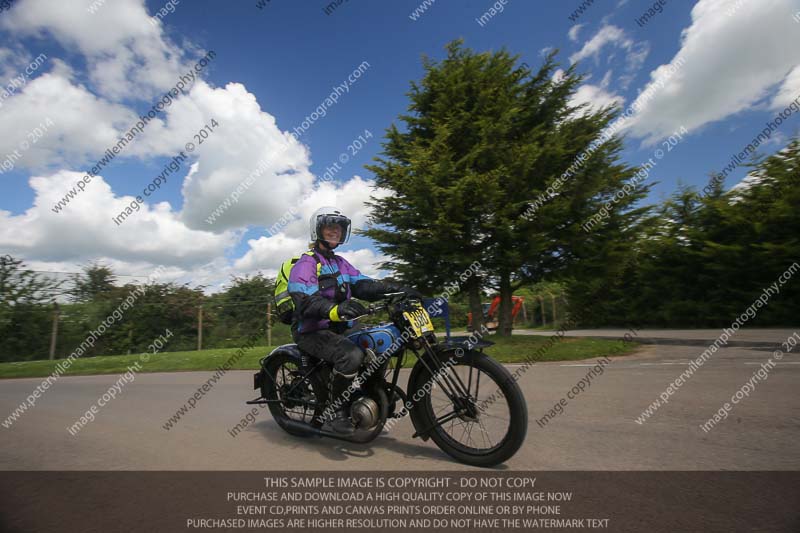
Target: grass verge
x,y
508,350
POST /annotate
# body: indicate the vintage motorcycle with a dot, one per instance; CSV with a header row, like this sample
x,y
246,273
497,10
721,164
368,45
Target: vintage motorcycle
x,y
478,422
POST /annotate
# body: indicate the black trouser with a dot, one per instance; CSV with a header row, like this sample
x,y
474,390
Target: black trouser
x,y
334,348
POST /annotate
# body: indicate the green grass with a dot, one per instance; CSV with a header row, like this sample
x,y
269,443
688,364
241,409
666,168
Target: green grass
x,y
509,350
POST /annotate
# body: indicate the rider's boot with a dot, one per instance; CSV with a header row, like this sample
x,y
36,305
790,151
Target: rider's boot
x,y
341,422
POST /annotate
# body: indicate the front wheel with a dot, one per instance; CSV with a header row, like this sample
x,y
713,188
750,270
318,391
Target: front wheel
x,y
475,408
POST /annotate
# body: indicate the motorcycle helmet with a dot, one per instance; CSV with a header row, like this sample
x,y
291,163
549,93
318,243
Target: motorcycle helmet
x,y
325,216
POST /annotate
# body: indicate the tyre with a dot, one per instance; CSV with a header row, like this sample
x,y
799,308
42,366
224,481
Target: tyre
x,y
301,399
486,423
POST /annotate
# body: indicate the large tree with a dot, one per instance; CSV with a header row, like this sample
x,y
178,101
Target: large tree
x,y
95,280
484,139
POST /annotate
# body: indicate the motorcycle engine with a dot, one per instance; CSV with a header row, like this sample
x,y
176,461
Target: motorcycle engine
x,y
365,412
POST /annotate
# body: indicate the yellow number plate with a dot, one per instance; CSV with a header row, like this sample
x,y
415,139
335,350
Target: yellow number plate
x,y
420,321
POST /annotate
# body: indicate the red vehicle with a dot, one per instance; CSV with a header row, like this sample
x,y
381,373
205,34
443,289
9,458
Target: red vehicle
x,y
490,312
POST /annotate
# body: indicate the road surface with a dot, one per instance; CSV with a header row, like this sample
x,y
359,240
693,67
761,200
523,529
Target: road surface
x,y
597,431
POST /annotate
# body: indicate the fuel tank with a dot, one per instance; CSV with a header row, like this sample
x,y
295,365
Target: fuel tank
x,y
379,339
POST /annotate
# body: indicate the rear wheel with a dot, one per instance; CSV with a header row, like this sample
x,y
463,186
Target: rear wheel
x,y
300,398
476,409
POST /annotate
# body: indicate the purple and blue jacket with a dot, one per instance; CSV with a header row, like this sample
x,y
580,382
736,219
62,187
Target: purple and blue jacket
x,y
314,296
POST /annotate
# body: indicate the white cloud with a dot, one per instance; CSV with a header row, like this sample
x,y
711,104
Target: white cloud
x,y
635,58
573,32
616,38
367,261
789,91
269,252
83,125
85,230
129,59
127,56
596,96
246,140
724,73
607,35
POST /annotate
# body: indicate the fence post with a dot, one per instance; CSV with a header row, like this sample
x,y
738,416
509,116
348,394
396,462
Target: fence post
x,y
54,331
269,324
544,319
200,328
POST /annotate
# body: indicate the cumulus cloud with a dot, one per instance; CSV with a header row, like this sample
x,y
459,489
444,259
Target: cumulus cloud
x,y
595,96
127,56
367,261
269,252
67,109
789,91
85,230
718,73
128,59
266,254
247,143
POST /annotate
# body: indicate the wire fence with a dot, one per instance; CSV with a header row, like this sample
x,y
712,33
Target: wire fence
x,y
123,319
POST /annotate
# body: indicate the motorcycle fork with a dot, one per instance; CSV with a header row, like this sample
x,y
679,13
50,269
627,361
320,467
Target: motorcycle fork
x,y
455,389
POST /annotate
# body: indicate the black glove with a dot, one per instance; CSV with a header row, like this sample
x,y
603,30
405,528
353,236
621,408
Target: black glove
x,y
411,293
347,310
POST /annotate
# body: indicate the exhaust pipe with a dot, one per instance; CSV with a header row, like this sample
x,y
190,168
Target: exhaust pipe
x,y
297,426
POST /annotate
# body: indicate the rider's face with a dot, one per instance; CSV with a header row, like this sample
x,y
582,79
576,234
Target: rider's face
x,y
332,233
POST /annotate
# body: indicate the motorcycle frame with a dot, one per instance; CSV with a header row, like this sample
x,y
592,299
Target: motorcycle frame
x,y
426,348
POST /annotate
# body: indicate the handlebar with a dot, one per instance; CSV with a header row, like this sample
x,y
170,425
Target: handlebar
x,y
390,298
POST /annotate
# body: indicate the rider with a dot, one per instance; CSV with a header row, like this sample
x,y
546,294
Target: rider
x,y
323,305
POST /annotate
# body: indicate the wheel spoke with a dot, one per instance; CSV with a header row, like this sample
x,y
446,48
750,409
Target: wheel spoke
x,y
483,429
446,418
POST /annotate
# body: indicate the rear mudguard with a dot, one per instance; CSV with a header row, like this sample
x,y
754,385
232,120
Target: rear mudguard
x,y
445,351
290,349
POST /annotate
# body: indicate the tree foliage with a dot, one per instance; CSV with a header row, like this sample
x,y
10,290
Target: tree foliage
x,y
94,281
483,140
702,260
26,309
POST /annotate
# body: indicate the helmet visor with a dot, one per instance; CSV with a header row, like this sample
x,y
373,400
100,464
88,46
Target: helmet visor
x,y
334,220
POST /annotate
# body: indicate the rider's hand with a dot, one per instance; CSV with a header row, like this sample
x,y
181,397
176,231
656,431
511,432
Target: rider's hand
x,y
412,293
347,310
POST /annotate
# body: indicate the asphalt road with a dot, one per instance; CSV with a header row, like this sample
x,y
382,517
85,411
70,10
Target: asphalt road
x,y
597,430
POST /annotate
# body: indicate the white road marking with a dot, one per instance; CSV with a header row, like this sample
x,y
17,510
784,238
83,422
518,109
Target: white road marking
x,y
781,363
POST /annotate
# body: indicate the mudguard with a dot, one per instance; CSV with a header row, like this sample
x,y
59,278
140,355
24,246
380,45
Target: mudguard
x,y
289,349
465,343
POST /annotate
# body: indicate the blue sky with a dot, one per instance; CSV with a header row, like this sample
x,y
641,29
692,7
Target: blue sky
x,y
274,66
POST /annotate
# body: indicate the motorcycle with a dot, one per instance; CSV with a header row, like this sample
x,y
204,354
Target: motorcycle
x,y
444,395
